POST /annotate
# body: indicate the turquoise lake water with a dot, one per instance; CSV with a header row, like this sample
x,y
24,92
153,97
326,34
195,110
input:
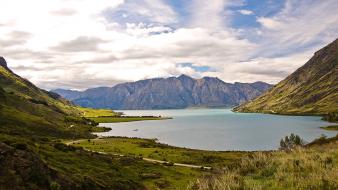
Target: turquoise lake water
x,y
219,129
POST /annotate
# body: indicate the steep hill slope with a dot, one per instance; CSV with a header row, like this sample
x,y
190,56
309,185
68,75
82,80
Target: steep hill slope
x,y
312,89
28,110
167,93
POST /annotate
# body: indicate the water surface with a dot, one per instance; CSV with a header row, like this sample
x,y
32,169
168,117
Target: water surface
x,y
219,129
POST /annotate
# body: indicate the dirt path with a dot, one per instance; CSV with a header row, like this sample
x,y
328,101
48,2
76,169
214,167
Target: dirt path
x,y
145,159
176,164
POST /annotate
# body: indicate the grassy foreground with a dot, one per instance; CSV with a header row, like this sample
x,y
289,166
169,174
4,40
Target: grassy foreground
x,y
302,168
54,165
151,149
314,166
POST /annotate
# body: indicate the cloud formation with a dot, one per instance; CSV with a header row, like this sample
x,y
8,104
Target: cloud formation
x,y
80,44
246,12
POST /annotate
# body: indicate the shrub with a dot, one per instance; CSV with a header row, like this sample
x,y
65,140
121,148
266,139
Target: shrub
x,y
168,164
64,148
331,117
38,102
55,186
290,142
21,146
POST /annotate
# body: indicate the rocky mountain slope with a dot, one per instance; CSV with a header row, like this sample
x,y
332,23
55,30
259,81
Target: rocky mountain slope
x,y
311,89
167,93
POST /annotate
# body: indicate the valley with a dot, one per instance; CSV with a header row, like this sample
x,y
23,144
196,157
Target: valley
x,y
169,95
47,142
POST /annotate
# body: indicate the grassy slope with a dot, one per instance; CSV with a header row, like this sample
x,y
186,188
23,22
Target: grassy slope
x,y
312,89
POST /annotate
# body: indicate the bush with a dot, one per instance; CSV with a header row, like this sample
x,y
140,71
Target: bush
x,y
63,147
38,102
21,146
168,163
55,186
290,142
331,117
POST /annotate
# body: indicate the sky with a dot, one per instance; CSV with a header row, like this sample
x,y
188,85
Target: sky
x,y
80,44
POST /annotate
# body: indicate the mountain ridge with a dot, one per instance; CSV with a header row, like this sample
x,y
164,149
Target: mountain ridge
x,y
167,93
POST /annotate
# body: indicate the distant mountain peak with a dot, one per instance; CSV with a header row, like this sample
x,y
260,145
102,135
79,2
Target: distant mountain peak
x,y
182,76
212,79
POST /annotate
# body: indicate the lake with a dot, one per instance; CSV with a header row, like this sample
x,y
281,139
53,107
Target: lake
x,y
219,129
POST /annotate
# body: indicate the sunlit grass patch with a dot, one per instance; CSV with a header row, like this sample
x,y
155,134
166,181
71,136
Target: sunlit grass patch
x,y
298,169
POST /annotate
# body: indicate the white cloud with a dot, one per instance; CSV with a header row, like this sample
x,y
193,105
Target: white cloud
x,y
208,15
82,44
142,29
269,23
300,26
246,12
156,11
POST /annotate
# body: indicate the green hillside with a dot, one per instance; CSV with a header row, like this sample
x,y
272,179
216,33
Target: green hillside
x,y
30,111
312,89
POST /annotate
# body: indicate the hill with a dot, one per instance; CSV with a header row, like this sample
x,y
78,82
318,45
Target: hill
x,y
28,110
167,93
311,89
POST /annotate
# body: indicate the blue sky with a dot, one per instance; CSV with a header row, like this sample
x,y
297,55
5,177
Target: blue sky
x,y
259,8
78,44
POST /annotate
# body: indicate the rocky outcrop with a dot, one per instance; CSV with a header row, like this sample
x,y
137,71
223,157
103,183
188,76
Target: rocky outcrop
x,y
3,64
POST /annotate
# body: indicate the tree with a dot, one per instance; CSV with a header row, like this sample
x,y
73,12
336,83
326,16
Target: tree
x,y
331,117
290,142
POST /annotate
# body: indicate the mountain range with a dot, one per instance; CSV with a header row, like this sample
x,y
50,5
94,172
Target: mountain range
x,y
167,93
311,89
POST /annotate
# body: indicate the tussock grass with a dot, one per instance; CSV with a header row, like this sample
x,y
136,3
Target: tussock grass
x,y
298,169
